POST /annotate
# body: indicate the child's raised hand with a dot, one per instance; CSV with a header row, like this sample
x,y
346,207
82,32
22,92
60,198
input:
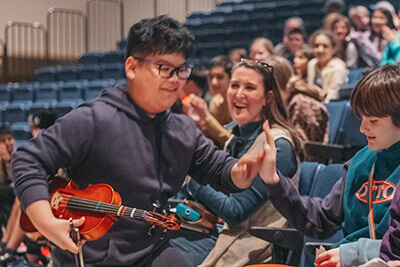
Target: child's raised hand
x,y
268,168
330,258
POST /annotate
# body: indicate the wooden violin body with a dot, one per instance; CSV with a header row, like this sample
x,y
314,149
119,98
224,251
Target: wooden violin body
x,y
99,204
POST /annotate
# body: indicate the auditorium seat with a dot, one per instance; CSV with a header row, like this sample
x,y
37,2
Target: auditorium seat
x,y
63,107
67,73
15,112
94,88
113,71
23,92
46,74
5,94
47,92
91,58
89,72
115,56
21,131
71,91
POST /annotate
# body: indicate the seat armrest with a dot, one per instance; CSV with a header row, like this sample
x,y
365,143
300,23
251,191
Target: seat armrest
x,y
324,153
288,238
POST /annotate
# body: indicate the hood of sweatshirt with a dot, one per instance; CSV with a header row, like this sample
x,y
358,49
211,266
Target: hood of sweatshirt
x,y
119,98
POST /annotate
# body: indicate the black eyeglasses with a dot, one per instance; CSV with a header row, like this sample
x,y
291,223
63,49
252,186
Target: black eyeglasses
x,y
166,70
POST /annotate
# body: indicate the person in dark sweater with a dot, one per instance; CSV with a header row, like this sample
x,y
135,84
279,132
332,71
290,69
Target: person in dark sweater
x,y
6,186
370,177
129,139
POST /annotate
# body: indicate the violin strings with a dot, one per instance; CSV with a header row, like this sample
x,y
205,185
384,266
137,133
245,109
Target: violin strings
x,y
98,206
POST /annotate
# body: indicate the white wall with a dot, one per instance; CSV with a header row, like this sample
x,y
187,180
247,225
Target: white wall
x,y
134,10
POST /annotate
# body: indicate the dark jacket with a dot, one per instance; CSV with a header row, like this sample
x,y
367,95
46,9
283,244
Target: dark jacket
x,y
113,141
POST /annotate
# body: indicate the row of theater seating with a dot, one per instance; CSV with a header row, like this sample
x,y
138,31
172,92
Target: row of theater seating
x,y
81,72
18,100
49,92
114,56
236,23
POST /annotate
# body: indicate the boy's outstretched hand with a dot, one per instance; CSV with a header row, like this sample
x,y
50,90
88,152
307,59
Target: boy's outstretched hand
x,y
262,163
330,258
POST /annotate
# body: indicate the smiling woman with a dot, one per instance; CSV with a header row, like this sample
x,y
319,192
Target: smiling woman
x,y
252,97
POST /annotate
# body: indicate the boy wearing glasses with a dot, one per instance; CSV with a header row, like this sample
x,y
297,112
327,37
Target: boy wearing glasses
x,y
128,138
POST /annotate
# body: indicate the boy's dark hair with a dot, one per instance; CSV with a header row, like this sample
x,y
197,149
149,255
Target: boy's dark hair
x,y
159,35
44,118
199,77
298,31
301,21
378,94
5,129
222,61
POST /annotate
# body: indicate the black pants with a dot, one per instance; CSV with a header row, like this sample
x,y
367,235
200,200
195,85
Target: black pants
x,y
165,256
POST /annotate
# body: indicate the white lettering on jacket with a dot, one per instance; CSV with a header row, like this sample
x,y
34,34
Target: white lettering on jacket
x,y
385,191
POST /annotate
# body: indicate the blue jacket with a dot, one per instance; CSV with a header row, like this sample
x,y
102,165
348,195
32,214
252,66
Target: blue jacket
x,y
391,52
321,218
113,141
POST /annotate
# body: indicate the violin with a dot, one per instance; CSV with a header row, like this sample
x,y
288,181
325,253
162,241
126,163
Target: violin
x,y
99,204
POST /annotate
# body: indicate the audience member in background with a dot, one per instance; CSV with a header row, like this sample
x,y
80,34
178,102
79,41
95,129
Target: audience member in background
x,y
196,84
300,62
261,49
381,45
291,23
38,121
6,185
376,99
7,196
253,97
326,70
210,120
237,54
334,6
295,43
306,111
303,103
360,18
385,18
329,19
384,35
347,51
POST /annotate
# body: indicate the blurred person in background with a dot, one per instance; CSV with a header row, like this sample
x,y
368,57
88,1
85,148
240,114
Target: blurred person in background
x,y
290,24
261,48
326,70
237,54
300,62
210,120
